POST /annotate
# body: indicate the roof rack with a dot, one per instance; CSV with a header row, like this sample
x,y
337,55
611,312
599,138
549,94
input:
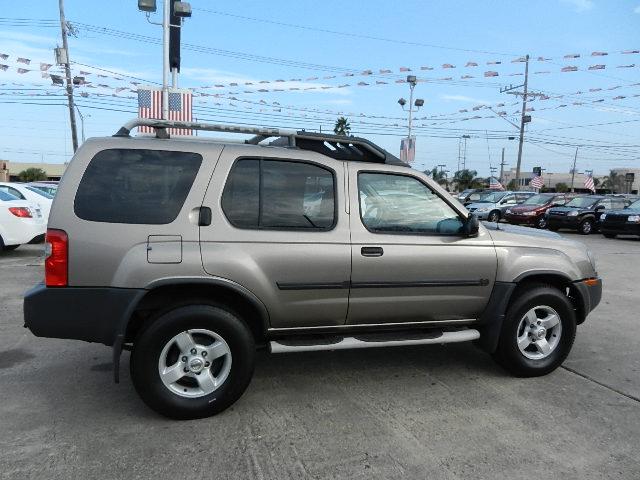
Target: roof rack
x,y
334,146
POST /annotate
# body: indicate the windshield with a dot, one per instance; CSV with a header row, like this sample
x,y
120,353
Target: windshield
x,y
493,197
582,202
7,197
537,200
41,192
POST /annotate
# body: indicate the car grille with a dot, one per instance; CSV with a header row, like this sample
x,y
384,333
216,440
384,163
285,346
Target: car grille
x,y
615,219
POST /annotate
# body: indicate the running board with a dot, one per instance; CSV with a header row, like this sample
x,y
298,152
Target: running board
x,y
372,341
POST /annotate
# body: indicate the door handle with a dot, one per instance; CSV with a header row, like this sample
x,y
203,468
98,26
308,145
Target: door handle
x,y
371,251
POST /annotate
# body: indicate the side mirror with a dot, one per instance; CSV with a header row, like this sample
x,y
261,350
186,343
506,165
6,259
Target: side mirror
x,y
599,208
471,226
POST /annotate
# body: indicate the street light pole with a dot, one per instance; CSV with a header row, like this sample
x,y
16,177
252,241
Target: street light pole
x,y
67,71
166,15
412,85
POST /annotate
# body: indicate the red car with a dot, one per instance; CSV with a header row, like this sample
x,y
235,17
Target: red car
x,y
532,211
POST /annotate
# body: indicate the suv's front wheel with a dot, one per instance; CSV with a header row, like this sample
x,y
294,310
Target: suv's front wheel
x,y
538,332
193,361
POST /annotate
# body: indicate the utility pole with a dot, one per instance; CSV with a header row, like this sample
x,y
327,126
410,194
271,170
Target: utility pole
x,y
166,22
502,164
573,170
67,70
522,119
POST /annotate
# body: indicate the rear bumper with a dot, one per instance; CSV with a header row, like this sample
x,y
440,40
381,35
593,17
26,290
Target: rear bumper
x,y
24,232
89,314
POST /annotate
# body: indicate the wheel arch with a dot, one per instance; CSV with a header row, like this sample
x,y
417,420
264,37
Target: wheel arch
x,y
166,293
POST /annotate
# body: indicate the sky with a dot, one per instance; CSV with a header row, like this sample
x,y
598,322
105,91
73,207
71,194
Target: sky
x,y
303,42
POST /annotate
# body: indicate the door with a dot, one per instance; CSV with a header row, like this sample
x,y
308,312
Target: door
x,y
409,261
280,229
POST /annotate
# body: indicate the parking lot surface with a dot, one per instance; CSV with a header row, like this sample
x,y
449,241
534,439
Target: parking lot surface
x,y
415,412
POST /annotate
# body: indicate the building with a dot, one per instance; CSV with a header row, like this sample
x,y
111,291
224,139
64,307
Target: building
x,y
9,171
551,179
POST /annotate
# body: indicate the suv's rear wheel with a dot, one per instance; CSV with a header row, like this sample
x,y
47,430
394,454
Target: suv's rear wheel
x,y
193,361
537,333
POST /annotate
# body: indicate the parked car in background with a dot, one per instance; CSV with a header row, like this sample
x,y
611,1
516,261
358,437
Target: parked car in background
x,y
50,187
533,210
621,222
20,222
492,206
472,195
24,191
583,212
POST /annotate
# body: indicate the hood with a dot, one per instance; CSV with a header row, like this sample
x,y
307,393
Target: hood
x,y
478,205
526,208
523,236
569,209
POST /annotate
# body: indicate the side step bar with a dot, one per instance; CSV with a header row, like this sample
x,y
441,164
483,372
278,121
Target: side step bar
x,y
371,341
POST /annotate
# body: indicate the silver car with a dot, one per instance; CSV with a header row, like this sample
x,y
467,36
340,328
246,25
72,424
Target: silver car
x,y
492,206
194,252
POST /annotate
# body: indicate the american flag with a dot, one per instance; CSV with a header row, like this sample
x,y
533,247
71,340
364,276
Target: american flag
x,y
588,183
494,184
536,182
150,106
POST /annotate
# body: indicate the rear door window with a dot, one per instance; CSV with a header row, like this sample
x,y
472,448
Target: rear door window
x,y
136,186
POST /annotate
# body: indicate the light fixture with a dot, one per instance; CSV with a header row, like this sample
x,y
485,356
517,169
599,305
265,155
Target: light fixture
x,y
411,79
182,9
402,102
419,102
147,5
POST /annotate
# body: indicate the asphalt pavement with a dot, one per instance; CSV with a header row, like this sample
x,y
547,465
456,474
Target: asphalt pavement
x,y
441,412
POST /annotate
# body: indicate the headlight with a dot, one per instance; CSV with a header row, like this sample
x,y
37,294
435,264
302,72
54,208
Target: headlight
x,y
592,260
508,210
633,219
483,209
603,216
572,213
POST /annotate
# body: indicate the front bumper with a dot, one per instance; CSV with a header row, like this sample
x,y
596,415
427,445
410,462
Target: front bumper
x,y
589,293
563,221
521,219
621,228
79,313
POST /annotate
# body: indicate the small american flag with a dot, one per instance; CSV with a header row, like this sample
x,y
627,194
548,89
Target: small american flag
x,y
536,182
588,183
494,184
150,106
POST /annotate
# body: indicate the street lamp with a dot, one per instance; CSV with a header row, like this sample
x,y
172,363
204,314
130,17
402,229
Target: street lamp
x,y
412,81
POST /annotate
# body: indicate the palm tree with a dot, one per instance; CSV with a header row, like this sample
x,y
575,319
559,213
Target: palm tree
x,y
465,179
612,181
439,176
342,127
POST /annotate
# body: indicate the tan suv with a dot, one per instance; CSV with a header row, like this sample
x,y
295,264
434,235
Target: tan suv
x,y
194,252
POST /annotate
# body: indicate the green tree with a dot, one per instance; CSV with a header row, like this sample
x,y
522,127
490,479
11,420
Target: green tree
x,y
512,185
613,182
465,179
342,127
439,176
32,175
562,187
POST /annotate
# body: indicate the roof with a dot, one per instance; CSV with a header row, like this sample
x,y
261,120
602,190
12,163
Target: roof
x,y
338,147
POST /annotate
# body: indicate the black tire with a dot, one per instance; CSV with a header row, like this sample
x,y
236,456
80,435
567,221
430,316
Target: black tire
x,y
610,235
509,356
8,248
149,345
586,227
553,228
493,216
541,222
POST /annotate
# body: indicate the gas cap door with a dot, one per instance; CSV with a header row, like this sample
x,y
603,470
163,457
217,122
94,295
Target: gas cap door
x,y
164,249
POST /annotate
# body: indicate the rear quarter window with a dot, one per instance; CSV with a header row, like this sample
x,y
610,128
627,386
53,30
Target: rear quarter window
x,y
136,186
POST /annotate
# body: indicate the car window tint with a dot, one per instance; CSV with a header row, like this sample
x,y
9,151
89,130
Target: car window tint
x,y
278,194
136,186
399,203
6,197
12,191
606,203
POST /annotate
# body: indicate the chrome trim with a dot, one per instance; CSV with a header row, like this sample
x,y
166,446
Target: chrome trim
x,y
351,342
373,326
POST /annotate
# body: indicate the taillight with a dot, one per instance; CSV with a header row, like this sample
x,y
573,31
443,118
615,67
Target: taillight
x,y
22,212
56,263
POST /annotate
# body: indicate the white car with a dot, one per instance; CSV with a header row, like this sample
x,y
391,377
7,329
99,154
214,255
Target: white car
x,y
31,194
49,187
20,222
